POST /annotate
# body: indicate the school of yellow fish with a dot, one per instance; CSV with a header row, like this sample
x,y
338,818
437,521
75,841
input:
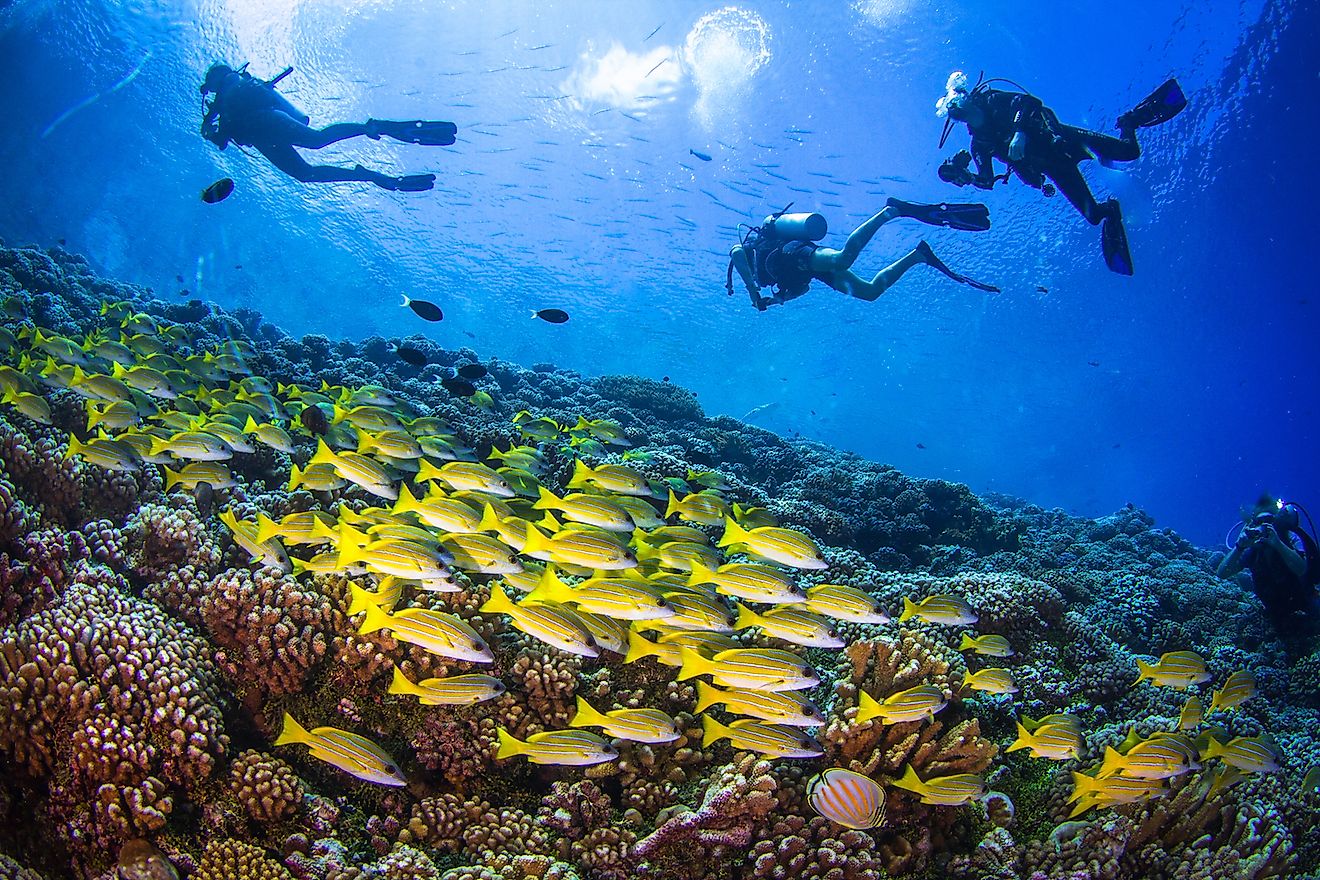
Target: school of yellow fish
x,y
649,570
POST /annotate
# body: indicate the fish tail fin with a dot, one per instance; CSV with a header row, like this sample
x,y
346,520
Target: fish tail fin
x,y
911,781
293,732
909,609
1145,671
1082,785
401,684
499,601
295,478
638,647
323,454
693,664
490,520
1216,701
1023,740
537,542
707,695
586,715
1112,764
361,601
250,426
172,477
674,506
733,533
966,643
1213,748
376,617
867,707
746,617
700,574
712,730
366,443
267,528
581,474
509,746
406,501
427,472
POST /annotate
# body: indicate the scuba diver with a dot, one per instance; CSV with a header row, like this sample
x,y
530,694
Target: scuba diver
x,y
1020,131
250,112
1284,561
782,253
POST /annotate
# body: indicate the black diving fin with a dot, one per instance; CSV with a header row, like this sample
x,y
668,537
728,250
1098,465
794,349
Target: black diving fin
x,y
1160,106
970,216
1113,240
414,131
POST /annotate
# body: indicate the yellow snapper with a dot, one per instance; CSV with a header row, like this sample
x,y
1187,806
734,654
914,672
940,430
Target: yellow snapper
x,y
914,704
941,609
114,416
1160,757
772,740
764,668
569,748
843,602
679,556
991,680
1091,791
791,625
663,534
1176,669
481,553
988,645
1240,687
786,707
471,476
1068,720
367,417
750,581
709,510
640,511
614,478
1250,754
610,634
112,455
213,473
574,547
753,517
388,443
269,435
619,599
402,558
31,405
1058,742
591,509
440,512
437,632
546,623
347,751
193,445
847,798
784,546
456,690
317,477
1193,713
696,611
944,791
634,725
357,469
639,647
245,535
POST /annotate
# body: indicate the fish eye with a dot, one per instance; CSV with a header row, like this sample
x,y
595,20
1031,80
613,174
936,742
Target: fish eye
x,y
512,558
479,645
808,671
608,749
661,603
498,687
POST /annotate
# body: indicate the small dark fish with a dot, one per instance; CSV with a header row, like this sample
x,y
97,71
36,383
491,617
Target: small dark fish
x,y
185,292
410,355
1040,289
553,316
469,334
471,371
921,445
657,66
178,278
654,32
1093,363
314,420
702,156
665,379
205,496
238,265
458,387
218,191
427,311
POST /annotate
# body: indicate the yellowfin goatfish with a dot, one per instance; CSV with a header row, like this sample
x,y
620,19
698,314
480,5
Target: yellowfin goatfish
x,y
1057,742
1251,754
750,581
574,547
941,609
357,469
786,707
783,546
544,622
472,476
349,752
1176,669
772,740
590,509
847,798
914,704
614,478
245,535
1193,713
437,632
634,725
570,748
764,668
457,690
944,791
991,680
1240,687
791,625
988,645
709,510
843,602
1160,757
619,599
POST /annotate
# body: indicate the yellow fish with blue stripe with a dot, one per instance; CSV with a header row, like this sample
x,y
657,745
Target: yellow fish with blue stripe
x,y
785,707
944,791
549,624
784,546
1240,687
764,668
941,609
1175,669
347,751
457,690
568,748
772,740
634,725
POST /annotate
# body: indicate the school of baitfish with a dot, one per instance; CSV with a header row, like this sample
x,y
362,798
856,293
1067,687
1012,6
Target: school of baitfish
x,y
612,563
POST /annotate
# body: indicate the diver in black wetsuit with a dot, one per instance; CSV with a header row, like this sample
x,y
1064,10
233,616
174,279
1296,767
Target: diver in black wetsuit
x,y
249,112
1284,561
782,253
1020,131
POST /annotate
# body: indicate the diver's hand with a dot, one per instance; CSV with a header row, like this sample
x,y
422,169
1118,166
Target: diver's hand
x,y
1017,147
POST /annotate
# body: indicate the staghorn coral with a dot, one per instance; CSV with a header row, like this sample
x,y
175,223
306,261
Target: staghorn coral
x,y
267,787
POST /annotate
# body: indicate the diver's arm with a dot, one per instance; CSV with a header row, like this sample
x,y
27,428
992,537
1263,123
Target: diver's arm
x,y
1291,558
1232,563
984,157
740,261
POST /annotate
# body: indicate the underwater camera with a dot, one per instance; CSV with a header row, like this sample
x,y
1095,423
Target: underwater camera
x,y
955,168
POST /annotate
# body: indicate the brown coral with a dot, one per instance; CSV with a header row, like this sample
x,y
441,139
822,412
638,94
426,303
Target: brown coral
x,y
814,849
235,860
267,787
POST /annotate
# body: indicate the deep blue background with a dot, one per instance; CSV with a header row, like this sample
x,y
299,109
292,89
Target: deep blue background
x,y
580,193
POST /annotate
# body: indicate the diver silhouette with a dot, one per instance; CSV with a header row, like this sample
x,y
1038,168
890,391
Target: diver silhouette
x,y
250,112
1016,128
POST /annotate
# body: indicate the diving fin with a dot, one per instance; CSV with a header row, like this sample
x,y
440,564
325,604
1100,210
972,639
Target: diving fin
x,y
1113,240
407,183
971,217
929,258
1160,106
414,131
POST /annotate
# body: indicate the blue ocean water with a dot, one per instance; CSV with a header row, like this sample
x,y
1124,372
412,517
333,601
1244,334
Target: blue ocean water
x,y
1186,389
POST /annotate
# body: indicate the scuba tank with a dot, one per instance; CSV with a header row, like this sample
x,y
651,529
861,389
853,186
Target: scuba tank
x,y
795,227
